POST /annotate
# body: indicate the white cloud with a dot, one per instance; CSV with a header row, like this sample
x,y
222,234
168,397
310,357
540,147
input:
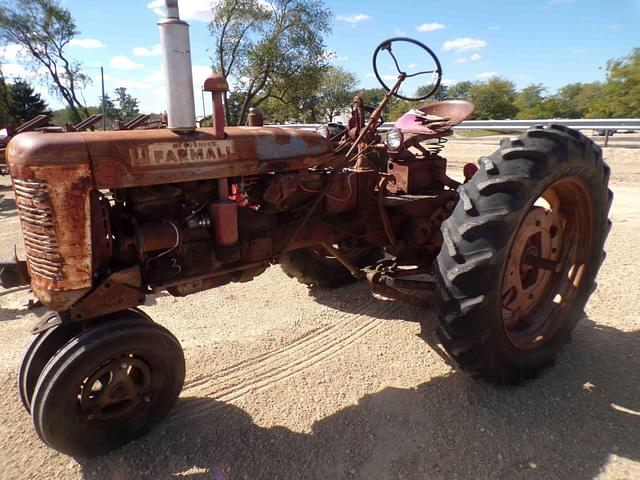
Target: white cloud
x,y
156,77
196,10
613,27
463,44
494,27
13,70
338,58
200,74
370,75
486,75
400,33
579,51
353,19
12,51
86,43
473,58
430,27
122,62
411,65
448,82
147,52
130,84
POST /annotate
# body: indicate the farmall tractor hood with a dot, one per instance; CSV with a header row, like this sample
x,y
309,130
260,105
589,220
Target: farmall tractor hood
x,y
121,159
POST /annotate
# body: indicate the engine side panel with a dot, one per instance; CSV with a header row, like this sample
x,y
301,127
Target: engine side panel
x,y
154,157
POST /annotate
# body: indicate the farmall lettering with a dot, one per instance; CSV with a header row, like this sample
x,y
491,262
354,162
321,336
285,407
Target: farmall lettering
x,y
166,154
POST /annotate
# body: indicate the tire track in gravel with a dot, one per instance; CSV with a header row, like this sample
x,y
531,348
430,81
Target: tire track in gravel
x,y
262,372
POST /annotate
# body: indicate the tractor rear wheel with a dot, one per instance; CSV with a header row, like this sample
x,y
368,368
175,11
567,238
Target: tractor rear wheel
x,y
315,266
521,252
107,386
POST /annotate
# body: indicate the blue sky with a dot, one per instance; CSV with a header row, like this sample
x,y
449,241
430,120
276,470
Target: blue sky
x,y
553,42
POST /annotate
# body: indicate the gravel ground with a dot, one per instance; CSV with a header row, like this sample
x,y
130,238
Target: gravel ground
x,y
289,382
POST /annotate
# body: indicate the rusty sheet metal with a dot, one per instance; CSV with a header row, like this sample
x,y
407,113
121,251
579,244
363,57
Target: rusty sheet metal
x,y
126,159
119,291
55,210
122,159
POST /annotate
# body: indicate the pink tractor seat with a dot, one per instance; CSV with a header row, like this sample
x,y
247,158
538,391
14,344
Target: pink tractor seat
x,y
434,120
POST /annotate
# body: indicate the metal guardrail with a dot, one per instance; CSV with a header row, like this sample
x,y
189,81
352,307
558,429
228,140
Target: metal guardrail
x,y
577,124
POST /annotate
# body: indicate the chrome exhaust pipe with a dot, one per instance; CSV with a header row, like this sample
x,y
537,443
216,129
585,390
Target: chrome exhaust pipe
x,y
176,53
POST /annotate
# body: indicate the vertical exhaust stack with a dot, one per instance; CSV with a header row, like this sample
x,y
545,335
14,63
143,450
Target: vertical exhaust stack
x,y
176,52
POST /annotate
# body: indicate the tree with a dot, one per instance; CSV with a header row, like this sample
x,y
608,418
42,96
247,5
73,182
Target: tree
x,y
44,28
530,102
460,90
266,47
371,97
335,95
4,100
494,99
21,102
121,109
127,105
622,91
111,112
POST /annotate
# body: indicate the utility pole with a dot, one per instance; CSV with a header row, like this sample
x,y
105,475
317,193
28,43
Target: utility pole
x,y
104,112
204,111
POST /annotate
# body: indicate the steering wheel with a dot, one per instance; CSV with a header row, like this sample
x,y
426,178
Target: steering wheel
x,y
437,69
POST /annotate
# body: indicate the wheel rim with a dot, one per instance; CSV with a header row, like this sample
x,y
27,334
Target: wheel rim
x,y
117,390
546,262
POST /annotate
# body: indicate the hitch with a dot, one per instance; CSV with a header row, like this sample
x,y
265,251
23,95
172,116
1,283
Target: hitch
x,y
387,277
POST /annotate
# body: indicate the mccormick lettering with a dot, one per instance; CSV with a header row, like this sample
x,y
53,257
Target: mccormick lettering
x,y
181,153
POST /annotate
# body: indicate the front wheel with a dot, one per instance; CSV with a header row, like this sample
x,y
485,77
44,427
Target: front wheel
x,y
107,386
521,252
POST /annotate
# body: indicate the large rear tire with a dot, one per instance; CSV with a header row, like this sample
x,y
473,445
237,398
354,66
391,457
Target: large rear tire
x,y
107,386
521,252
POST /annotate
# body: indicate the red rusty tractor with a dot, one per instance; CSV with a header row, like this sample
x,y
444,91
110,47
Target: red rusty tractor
x,y
111,217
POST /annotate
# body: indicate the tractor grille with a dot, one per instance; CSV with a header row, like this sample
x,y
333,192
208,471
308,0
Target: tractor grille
x,y
38,229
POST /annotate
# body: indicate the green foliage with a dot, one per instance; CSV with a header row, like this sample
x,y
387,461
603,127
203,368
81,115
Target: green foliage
x,y
44,28
127,105
529,101
122,109
459,91
621,93
295,99
269,50
494,99
335,93
20,102
371,97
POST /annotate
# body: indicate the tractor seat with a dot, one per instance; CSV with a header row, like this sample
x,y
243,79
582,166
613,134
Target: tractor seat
x,y
434,120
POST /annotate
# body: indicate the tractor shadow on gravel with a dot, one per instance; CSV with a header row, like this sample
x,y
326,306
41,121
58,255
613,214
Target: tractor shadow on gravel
x,y
569,423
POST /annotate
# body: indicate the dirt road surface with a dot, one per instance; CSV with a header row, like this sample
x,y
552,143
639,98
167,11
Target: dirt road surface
x,y
287,382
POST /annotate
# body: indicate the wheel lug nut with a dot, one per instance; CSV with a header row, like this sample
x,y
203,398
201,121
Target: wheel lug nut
x,y
90,417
